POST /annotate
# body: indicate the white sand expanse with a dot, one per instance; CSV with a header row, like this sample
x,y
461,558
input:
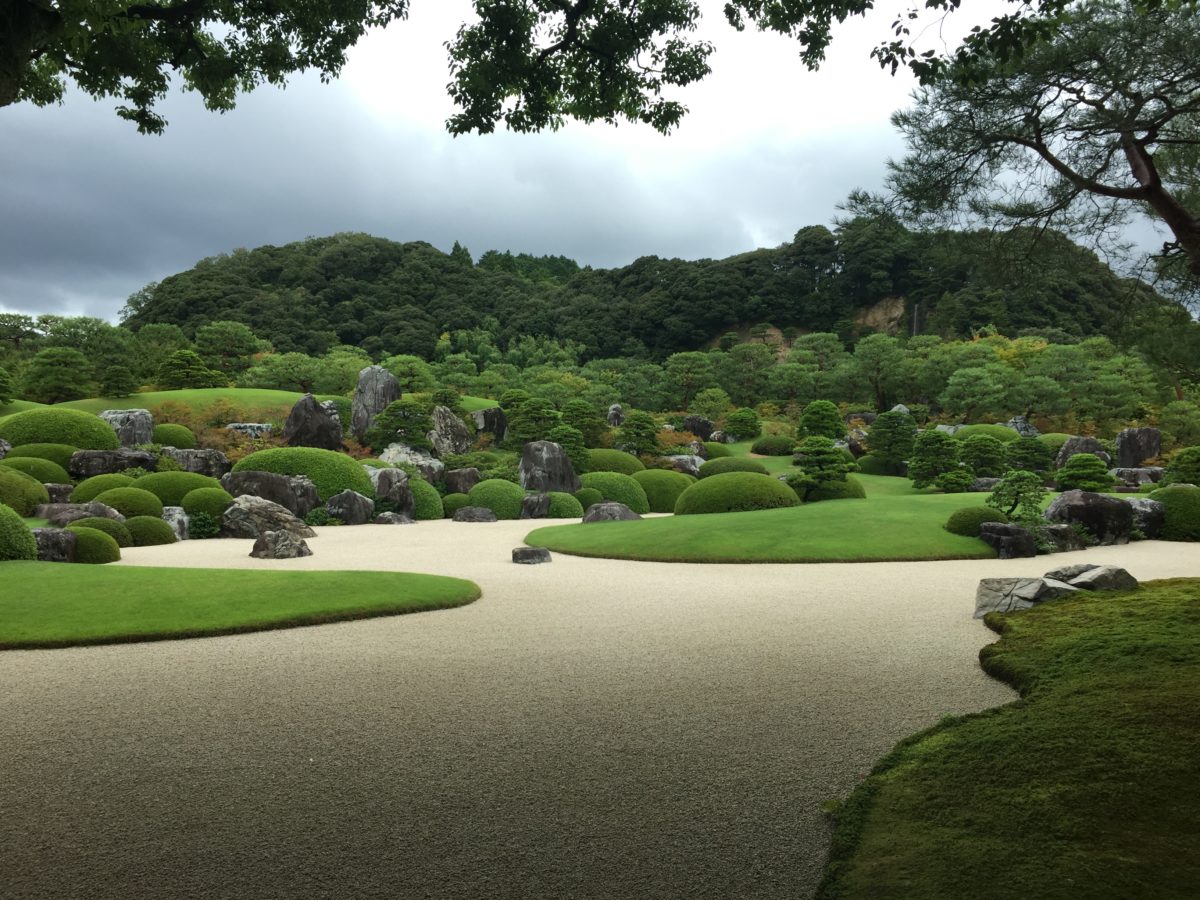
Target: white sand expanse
x,y
589,728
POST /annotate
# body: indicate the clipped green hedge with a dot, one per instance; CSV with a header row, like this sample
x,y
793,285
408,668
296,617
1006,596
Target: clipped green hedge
x,y
731,464
613,461
774,445
662,488
42,469
617,488
427,502
501,497
172,487
564,506
874,465
849,489
178,436
114,529
94,547
716,450
16,541
148,531
330,472
735,492
58,426
131,501
1182,504
1002,433
452,503
967,521
21,492
59,454
90,488
588,497
212,501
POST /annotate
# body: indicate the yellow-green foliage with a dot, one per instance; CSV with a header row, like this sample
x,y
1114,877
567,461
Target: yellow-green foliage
x,y
178,436
42,469
59,426
21,492
94,547
131,501
588,497
735,492
613,461
452,503
501,497
564,506
172,487
59,454
618,488
16,541
662,488
148,531
731,464
90,488
329,471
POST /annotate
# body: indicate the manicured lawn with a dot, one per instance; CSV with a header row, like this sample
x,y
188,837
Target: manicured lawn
x,y
897,527
16,406
1085,787
59,604
201,398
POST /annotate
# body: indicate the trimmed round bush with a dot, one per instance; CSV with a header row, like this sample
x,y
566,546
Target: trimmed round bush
x,y
588,497
613,461
16,541
848,489
1084,472
743,424
91,488
94,547
330,472
735,492
716,450
1002,433
618,488
774,445
731,464
501,497
114,529
42,469
1183,512
172,487
662,488
966,521
148,531
59,454
21,492
427,502
131,501
564,506
874,465
59,426
212,501
178,436
1183,467
452,503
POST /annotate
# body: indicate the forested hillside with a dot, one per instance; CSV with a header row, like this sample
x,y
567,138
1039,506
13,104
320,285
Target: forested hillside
x,y
389,298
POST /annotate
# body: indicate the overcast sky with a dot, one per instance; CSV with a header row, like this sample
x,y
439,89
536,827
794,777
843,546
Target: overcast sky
x,y
92,210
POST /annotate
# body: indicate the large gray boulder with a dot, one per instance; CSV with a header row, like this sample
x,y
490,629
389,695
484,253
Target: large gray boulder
x,y
133,426
1066,573
351,507
460,481
249,517
1009,541
722,437
450,434
699,426
55,544
313,424
295,493
492,421
376,388
279,545
1004,595
391,518
1136,477
62,514
1136,445
535,506
431,468
86,463
391,487
178,520
59,493
1022,426
616,415
609,511
1061,538
5,446
686,463
474,514
545,466
1105,578
1149,517
253,430
212,463
948,429
1080,444
1109,520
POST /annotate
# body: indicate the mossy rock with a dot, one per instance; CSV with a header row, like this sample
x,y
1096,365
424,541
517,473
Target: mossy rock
x,y
132,501
564,506
178,436
330,472
427,502
1182,502
16,541
59,454
114,529
21,492
452,503
662,488
967,521
501,497
731,464
172,487
94,547
849,489
59,426
148,531
735,492
91,488
613,461
617,488
212,501
42,469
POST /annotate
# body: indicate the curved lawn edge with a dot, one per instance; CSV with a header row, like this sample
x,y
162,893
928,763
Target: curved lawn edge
x,y
735,560
59,605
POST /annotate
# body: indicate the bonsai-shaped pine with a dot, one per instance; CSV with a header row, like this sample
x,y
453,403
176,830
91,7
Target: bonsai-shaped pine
x,y
513,399
934,453
531,420
571,440
821,417
711,403
401,422
891,438
117,381
984,455
1029,454
639,434
1084,472
185,369
581,415
1183,467
956,481
743,424
820,462
1019,495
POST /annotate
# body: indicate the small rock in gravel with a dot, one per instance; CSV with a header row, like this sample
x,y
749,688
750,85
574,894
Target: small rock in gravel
x,y
531,556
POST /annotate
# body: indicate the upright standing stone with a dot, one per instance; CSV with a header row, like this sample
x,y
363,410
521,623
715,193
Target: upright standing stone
x,y
377,387
351,507
5,446
178,520
492,421
545,466
313,424
535,506
55,544
1136,445
616,415
450,434
391,487
133,426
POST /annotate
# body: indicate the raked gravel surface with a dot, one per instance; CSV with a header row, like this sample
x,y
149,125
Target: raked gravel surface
x,y
589,728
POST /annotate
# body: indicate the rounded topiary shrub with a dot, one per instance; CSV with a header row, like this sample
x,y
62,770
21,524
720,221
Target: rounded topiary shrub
x,y
90,488
330,472
774,445
212,501
618,488
114,529
731,464
1183,467
178,436
966,521
59,426
59,454
743,424
148,531
850,488
131,501
1053,441
875,465
452,503
42,469
1084,472
735,492
588,497
716,450
662,488
501,497
172,487
1002,433
94,547
1182,502
427,502
21,492
613,461
16,541
564,506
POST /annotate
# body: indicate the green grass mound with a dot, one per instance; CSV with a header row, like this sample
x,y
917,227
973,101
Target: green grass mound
x,y
59,454
999,432
178,436
16,541
59,426
118,531
735,492
618,488
131,501
968,520
330,472
212,501
172,487
1182,504
849,489
588,497
94,547
452,503
1086,787
731,464
613,461
564,506
774,445
21,492
662,488
147,531
427,502
42,469
501,497
716,450
91,488
1053,441
52,605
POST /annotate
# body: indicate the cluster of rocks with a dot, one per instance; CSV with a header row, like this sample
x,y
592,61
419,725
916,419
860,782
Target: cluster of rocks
x,y
56,543
1073,516
1003,595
